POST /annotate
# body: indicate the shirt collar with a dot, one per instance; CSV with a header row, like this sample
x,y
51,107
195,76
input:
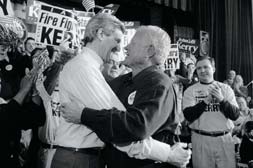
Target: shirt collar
x,y
206,83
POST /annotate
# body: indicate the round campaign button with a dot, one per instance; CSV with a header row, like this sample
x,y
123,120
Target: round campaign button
x,y
9,67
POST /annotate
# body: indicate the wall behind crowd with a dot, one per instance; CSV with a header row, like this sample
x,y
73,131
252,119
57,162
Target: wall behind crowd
x,y
231,35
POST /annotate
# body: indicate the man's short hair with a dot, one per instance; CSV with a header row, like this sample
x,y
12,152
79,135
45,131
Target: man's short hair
x,y
28,38
159,39
102,20
201,58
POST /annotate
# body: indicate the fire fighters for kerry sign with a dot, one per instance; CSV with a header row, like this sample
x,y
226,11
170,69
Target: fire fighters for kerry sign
x,y
53,24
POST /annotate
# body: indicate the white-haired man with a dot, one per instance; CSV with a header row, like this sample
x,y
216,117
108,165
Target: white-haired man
x,y
150,101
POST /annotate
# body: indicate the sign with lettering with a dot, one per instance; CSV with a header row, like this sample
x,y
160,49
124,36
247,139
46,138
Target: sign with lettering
x,y
6,8
53,24
190,46
173,61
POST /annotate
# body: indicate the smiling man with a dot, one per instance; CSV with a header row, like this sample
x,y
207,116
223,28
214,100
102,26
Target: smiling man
x,y
210,106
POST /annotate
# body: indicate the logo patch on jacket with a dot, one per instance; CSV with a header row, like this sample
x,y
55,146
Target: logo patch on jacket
x,y
131,98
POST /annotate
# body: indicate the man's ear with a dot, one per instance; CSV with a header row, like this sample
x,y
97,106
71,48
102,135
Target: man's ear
x,y
100,34
151,51
214,69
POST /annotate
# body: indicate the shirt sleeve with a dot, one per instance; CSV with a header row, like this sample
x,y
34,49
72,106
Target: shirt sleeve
x,y
191,110
147,149
75,83
229,106
148,113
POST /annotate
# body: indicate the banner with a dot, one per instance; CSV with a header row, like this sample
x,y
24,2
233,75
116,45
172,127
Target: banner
x,y
53,24
173,61
190,46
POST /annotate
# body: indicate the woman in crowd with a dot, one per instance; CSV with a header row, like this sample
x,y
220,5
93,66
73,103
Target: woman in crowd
x,y
239,88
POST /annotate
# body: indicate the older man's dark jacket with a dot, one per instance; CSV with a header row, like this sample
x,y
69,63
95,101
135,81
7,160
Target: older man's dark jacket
x,y
150,100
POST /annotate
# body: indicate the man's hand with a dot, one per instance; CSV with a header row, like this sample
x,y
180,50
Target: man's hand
x,y
179,156
208,99
28,80
25,86
72,111
215,91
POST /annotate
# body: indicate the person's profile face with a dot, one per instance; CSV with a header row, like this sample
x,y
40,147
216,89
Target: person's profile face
x,y
136,50
205,71
112,42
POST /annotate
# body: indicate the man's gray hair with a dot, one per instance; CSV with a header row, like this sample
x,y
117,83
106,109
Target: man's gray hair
x,y
159,39
102,20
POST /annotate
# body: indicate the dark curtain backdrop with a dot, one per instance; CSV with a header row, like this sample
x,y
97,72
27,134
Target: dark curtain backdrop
x,y
229,23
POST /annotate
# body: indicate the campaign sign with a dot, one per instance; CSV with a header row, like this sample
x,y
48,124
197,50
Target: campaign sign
x,y
6,8
187,45
53,24
173,61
